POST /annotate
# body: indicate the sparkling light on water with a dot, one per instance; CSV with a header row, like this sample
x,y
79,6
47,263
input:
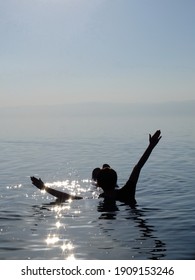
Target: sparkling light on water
x,y
52,239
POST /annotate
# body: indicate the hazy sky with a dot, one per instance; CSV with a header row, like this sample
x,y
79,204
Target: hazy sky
x,y
61,51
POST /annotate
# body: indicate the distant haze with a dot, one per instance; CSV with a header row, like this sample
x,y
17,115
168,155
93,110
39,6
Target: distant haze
x,y
98,109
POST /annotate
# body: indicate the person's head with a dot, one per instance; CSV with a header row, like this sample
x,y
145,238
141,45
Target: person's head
x,y
107,179
95,173
105,165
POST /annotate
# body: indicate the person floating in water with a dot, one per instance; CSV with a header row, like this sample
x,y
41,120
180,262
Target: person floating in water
x,y
107,179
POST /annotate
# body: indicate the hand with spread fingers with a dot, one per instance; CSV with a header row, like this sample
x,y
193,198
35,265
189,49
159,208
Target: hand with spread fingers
x,y
155,138
38,183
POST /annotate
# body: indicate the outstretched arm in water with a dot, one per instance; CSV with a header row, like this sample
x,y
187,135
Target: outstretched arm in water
x,y
61,196
132,182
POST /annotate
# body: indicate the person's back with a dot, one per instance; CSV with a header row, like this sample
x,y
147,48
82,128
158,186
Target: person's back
x,y
107,178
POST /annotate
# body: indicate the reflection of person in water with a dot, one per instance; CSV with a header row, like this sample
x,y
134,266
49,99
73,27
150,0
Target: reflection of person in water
x,y
107,179
143,246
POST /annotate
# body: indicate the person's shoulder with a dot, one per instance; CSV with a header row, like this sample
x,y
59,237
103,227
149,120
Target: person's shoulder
x,y
124,196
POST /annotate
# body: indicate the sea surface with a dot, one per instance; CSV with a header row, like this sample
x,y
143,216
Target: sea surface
x,y
63,152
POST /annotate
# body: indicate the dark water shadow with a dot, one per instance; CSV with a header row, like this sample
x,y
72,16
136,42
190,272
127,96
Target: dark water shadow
x,y
109,211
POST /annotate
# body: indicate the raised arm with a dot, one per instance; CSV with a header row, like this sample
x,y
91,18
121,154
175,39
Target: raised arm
x,y
153,141
130,187
61,196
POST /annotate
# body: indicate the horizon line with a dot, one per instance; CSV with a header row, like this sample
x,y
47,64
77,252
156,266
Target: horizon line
x,y
97,102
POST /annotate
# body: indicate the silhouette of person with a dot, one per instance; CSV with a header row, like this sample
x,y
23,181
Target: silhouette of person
x,y
107,179
97,170
95,173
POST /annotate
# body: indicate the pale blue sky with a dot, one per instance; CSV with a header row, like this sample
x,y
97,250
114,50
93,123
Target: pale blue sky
x,y
64,51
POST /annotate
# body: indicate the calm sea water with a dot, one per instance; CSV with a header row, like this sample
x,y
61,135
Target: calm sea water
x,y
63,153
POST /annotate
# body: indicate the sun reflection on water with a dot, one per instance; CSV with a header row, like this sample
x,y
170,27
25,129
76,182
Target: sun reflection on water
x,y
71,257
14,187
67,250
58,184
57,238
58,208
58,224
52,239
67,246
74,187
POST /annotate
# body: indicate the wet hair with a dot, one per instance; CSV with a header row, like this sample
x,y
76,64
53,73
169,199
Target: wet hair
x,y
107,179
95,173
